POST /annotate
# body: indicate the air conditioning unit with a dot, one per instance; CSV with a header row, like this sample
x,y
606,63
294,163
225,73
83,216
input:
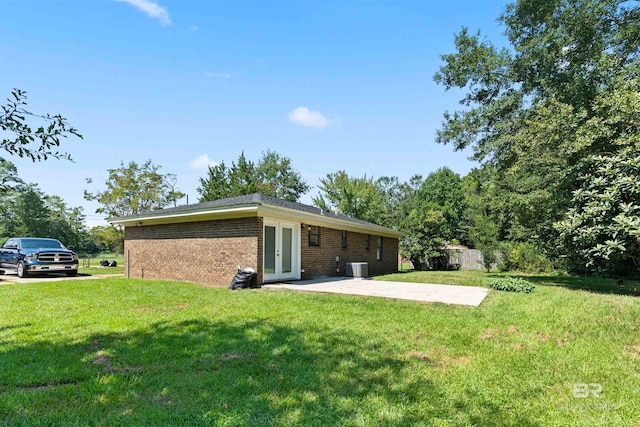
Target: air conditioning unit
x,y
357,269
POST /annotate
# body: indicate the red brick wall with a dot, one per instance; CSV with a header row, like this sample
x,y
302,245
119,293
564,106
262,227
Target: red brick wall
x,y
206,252
209,252
318,261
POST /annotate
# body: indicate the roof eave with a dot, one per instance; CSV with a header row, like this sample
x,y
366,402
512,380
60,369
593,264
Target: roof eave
x,y
252,210
154,218
310,218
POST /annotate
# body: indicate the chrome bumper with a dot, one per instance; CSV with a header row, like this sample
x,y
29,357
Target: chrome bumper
x,y
51,267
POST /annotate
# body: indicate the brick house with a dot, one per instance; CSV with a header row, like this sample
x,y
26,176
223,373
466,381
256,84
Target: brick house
x,y
281,240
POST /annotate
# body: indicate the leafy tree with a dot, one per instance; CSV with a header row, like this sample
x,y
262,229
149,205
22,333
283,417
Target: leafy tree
x,y
601,229
365,198
272,176
217,184
66,223
424,226
564,88
8,176
134,188
276,177
27,211
38,144
110,238
444,191
31,212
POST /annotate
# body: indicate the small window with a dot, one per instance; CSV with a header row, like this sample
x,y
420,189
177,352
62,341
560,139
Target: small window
x,y
314,235
379,249
344,239
368,242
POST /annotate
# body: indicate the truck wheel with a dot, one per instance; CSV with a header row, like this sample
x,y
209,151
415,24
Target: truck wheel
x,y
22,272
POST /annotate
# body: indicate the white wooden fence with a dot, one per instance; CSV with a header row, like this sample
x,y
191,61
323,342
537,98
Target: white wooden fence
x,y
467,259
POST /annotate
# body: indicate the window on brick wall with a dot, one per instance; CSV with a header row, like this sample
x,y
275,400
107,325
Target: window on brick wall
x,y
368,242
379,249
314,235
344,239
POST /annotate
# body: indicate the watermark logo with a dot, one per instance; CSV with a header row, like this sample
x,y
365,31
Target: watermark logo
x,y
584,390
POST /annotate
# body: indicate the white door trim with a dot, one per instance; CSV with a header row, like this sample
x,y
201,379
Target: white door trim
x,y
279,226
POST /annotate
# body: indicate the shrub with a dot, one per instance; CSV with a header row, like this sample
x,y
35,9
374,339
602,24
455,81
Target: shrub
x,y
512,284
520,256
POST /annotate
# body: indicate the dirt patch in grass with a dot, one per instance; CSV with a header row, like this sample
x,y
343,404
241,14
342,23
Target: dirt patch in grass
x,y
489,333
633,349
95,344
100,360
542,337
512,329
235,356
517,346
182,306
441,361
419,355
47,385
563,341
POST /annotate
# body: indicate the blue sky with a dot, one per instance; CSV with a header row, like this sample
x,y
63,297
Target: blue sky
x,y
331,84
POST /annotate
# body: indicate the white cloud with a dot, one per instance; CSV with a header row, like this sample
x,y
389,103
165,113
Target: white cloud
x,y
193,28
305,117
202,162
217,75
152,9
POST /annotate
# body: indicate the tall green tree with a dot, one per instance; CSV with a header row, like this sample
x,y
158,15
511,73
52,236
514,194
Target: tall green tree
x,y
8,176
27,211
443,190
110,238
564,88
273,175
424,226
134,188
364,198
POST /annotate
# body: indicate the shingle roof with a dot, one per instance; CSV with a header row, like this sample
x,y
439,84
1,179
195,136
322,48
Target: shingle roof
x,y
249,199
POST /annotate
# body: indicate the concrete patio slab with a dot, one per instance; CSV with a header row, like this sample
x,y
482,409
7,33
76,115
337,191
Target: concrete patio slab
x,y
423,292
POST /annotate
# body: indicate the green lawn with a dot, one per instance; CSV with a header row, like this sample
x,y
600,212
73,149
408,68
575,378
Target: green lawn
x,y
94,261
141,352
91,265
94,271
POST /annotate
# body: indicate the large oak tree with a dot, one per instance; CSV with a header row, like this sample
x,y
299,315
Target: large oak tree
x,y
564,88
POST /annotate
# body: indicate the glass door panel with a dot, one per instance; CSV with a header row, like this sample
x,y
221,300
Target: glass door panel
x,y
269,250
287,252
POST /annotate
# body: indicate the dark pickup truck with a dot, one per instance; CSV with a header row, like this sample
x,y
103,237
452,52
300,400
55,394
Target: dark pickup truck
x,y
28,255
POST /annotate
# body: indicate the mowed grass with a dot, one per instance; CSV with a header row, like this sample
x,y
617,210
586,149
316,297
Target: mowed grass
x,y
141,352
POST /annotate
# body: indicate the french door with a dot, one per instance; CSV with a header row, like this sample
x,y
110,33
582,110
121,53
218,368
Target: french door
x,y
281,250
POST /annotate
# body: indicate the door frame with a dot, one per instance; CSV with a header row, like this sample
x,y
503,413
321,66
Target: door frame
x,y
295,250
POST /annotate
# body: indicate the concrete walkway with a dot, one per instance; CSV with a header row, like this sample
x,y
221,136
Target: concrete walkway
x,y
448,294
13,278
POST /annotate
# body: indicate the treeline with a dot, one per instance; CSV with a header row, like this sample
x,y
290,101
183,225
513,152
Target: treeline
x,y
434,211
26,211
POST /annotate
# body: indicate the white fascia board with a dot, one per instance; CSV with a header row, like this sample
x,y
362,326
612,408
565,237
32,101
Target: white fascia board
x,y
293,215
189,216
